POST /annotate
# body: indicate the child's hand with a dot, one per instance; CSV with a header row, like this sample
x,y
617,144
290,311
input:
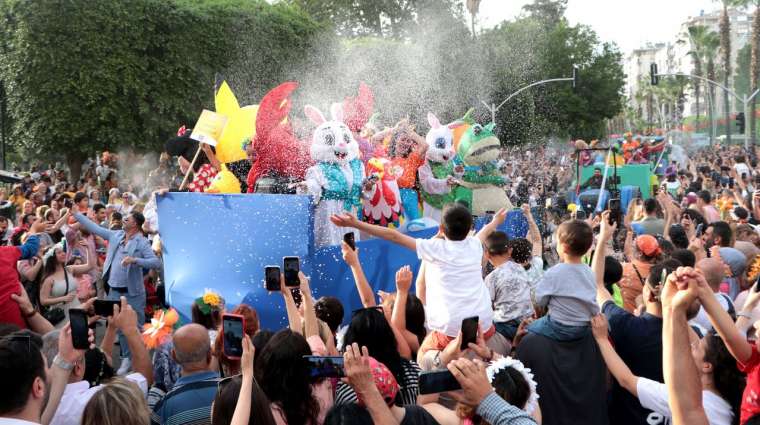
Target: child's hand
x,y
404,279
607,230
350,256
500,217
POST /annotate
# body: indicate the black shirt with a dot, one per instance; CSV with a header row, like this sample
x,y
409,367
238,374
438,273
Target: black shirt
x,y
416,415
638,341
571,377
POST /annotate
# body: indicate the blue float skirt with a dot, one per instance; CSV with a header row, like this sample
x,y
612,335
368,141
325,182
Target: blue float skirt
x,y
410,202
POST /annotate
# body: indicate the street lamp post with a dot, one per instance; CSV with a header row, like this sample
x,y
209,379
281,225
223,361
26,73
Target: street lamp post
x,y
494,108
744,99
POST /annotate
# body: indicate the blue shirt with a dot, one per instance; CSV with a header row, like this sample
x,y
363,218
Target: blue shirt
x,y
189,401
118,278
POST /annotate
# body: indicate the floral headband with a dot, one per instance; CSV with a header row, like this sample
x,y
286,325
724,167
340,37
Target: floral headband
x,y
209,301
498,365
160,327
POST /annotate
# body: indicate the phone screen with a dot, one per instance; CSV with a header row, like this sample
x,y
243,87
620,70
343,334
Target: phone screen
x,y
105,307
79,329
438,382
291,267
580,215
232,328
350,240
325,367
469,331
272,278
700,226
614,206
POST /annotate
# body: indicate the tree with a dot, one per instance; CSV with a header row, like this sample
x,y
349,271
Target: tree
x,y
548,12
754,63
83,77
710,51
696,35
724,27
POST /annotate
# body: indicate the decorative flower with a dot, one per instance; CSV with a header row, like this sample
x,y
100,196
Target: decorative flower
x,y
160,327
209,301
754,270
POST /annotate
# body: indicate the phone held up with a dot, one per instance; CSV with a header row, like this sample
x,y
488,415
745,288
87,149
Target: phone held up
x,y
272,278
291,267
613,205
79,329
105,307
469,331
233,326
325,367
439,381
350,240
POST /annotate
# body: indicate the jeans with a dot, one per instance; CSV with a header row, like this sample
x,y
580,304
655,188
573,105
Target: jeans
x,y
557,331
138,304
508,329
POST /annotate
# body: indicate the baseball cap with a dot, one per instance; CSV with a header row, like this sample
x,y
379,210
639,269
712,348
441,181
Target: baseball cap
x,y
735,259
647,245
384,381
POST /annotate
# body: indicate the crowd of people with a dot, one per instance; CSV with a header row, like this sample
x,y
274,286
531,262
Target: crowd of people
x,y
646,317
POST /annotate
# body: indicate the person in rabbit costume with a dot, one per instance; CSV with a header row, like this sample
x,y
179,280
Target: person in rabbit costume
x,y
336,180
438,175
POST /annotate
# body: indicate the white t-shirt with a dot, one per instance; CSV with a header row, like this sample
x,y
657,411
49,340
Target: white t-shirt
x,y
454,281
653,395
702,321
77,395
742,168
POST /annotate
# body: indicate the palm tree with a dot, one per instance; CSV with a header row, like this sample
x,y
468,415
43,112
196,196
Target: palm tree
x,y
754,71
710,51
696,35
724,26
472,7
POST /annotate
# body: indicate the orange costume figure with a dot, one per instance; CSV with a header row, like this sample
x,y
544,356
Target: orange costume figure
x,y
629,147
406,151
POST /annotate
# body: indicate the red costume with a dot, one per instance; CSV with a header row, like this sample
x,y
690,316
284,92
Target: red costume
x,y
10,312
277,151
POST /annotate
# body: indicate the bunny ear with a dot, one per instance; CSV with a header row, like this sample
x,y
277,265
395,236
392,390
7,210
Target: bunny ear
x,y
314,115
336,110
433,120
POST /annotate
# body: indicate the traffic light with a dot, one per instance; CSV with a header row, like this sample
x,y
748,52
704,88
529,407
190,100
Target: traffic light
x,y
653,74
575,77
740,123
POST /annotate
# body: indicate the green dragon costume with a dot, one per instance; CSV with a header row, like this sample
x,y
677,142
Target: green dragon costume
x,y
481,186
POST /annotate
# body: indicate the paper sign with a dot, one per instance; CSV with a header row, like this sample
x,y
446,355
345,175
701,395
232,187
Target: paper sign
x,y
209,127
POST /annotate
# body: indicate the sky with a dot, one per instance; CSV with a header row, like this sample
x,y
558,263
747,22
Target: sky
x,y
629,23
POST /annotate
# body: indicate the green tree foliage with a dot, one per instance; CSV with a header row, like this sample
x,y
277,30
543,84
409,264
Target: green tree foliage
x,y
85,76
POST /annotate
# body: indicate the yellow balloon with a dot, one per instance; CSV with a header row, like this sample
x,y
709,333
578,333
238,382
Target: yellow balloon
x,y
241,124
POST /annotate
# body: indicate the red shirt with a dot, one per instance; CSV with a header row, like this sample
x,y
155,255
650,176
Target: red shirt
x,y
751,396
10,312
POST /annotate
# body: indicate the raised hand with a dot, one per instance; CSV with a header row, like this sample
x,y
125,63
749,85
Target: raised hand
x,y
404,279
599,327
344,220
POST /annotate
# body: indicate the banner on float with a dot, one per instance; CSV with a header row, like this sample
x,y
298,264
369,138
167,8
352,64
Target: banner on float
x,y
224,242
208,129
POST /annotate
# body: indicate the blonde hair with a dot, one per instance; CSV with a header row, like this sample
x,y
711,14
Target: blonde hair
x,y
119,402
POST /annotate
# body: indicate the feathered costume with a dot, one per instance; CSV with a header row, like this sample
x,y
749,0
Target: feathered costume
x,y
356,114
384,204
277,152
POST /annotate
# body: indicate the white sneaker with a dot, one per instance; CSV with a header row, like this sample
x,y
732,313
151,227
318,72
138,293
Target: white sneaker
x,y
126,366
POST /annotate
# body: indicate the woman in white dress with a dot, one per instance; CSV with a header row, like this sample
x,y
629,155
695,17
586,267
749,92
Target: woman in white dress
x,y
59,286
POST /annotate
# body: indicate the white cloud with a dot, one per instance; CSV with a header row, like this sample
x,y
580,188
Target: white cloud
x,y
629,23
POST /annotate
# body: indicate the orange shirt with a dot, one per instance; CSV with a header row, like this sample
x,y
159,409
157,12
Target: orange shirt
x,y
409,166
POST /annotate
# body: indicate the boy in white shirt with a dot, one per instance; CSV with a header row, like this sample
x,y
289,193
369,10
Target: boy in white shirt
x,y
453,271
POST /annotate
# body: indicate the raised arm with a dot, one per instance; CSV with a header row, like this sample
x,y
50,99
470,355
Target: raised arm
x,y
348,220
87,266
92,227
498,220
681,375
420,285
61,221
615,364
359,376
351,258
534,234
597,264
735,342
126,321
294,317
403,284
311,325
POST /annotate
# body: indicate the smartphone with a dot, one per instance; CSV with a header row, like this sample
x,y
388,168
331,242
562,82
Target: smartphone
x,y
291,267
698,232
232,335
613,205
79,329
272,278
105,307
580,215
350,240
469,331
548,203
439,381
325,367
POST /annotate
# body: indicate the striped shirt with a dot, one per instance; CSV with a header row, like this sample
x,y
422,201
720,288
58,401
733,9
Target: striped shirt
x,y
408,386
498,412
189,402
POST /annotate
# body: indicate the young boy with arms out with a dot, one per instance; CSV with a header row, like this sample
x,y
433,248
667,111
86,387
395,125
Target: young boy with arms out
x,y
453,271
